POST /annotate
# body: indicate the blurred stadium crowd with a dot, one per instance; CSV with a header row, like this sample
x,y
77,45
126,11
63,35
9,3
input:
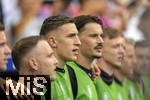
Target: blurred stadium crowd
x,y
24,17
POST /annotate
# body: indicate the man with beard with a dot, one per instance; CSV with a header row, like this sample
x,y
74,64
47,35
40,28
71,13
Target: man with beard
x,y
113,53
91,37
61,34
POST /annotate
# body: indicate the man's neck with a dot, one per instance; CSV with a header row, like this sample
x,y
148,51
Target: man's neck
x,y
26,72
136,77
61,62
119,75
84,61
105,67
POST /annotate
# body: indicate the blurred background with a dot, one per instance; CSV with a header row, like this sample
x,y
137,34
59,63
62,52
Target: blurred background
x,y
23,18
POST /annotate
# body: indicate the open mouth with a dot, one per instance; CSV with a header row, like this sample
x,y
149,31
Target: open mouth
x,y
75,51
120,58
100,46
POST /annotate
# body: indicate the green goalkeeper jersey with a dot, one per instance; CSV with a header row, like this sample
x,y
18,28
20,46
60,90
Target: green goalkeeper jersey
x,y
85,86
61,87
134,90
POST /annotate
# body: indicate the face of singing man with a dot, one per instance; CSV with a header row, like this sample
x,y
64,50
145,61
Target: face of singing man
x,y
114,51
142,57
129,60
4,51
92,40
65,42
45,63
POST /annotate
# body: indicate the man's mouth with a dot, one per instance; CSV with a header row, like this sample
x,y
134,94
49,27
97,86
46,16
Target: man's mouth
x,y
99,47
76,51
120,58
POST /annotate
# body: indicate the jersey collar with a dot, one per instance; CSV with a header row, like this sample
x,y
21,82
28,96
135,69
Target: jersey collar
x,y
106,77
89,72
62,70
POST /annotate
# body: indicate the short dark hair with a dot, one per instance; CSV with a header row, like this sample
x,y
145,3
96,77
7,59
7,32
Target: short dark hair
x,y
112,33
22,47
53,22
81,21
2,27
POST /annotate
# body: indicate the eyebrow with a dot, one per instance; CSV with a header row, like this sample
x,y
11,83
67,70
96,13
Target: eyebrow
x,y
94,33
72,34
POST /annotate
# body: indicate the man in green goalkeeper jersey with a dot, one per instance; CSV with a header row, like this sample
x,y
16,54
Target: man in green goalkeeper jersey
x,y
61,34
142,49
113,53
91,37
132,82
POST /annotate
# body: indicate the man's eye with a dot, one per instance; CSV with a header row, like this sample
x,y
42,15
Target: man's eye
x,y
102,35
93,35
71,35
2,44
115,46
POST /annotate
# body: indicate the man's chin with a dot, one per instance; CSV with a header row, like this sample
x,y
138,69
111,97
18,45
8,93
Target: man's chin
x,y
118,65
73,58
3,68
115,64
98,56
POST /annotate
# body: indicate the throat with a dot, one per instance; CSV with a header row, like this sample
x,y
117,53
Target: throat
x,y
85,62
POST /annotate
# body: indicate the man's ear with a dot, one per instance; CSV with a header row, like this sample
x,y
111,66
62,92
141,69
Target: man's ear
x,y
52,41
33,64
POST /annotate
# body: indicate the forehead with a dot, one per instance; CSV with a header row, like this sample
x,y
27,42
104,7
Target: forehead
x,y
129,47
67,28
117,40
2,37
93,28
